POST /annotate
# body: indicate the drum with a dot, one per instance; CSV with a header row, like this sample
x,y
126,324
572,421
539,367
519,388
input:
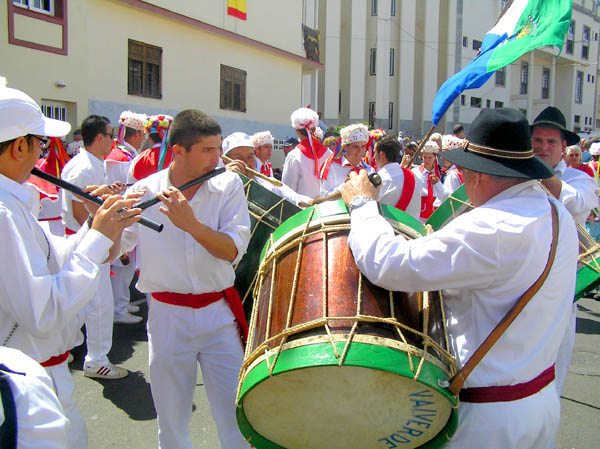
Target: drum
x,y
588,267
333,361
267,211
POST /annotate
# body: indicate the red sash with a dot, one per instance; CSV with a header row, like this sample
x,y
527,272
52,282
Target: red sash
x,y
314,153
266,169
69,231
459,174
202,300
56,360
408,189
147,162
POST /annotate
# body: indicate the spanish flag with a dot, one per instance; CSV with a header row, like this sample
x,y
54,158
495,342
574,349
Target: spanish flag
x,y
237,8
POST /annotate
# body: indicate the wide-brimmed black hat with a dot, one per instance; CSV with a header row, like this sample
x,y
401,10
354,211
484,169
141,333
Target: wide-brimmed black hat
x,y
498,143
551,117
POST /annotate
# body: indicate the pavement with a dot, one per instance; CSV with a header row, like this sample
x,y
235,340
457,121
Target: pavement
x,y
120,413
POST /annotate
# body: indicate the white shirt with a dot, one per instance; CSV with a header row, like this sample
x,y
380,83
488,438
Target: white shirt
x,y
337,176
118,170
392,182
41,420
258,166
299,173
284,191
44,280
484,260
578,193
451,183
422,175
173,261
83,170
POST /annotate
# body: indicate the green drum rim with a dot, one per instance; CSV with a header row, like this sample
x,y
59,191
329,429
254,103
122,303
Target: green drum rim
x,y
359,355
333,208
587,279
440,216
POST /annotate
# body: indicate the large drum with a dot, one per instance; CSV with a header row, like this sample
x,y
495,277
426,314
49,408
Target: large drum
x,y
334,362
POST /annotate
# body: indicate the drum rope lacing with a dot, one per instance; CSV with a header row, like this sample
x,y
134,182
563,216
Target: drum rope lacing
x,y
271,256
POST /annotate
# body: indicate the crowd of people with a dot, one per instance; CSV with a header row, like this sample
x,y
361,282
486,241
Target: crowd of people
x,y
73,267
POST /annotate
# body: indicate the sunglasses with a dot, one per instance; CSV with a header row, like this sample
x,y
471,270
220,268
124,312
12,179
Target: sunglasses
x,y
44,142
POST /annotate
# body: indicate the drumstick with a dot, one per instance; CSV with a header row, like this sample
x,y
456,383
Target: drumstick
x,y
373,177
275,182
158,227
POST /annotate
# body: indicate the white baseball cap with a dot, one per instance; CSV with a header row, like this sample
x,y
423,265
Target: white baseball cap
x,y
236,140
20,116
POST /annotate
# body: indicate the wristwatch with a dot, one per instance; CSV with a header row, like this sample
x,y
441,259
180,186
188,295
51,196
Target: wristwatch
x,y
358,201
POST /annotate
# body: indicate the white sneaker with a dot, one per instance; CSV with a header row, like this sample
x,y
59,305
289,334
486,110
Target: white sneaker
x,y
108,371
128,318
132,308
70,358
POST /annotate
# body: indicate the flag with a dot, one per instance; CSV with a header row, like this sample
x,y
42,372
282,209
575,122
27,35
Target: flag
x,y
237,8
526,24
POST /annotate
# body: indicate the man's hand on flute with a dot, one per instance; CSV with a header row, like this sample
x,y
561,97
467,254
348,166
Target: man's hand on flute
x,y
115,214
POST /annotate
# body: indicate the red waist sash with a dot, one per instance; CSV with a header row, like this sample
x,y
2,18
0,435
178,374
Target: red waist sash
x,y
56,360
204,299
508,392
69,231
408,189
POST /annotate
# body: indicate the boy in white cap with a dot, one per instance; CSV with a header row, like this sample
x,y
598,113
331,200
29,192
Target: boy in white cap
x,y
45,281
454,176
334,172
428,174
303,164
263,148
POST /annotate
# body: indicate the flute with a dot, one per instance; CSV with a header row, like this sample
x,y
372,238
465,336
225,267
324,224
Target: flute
x,y
275,182
158,227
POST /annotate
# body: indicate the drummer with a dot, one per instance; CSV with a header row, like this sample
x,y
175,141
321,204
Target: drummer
x,y
487,258
239,147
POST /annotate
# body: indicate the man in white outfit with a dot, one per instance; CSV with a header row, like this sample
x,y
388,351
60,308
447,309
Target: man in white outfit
x,y
485,260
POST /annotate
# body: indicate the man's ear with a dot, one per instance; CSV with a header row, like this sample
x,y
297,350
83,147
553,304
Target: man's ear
x,y
178,150
19,148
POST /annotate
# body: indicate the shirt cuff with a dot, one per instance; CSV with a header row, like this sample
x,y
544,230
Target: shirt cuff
x,y
95,246
239,244
367,210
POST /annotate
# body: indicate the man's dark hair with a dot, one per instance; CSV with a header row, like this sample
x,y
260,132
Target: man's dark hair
x,y
130,132
189,125
303,132
77,131
154,138
412,146
91,127
457,128
389,146
4,145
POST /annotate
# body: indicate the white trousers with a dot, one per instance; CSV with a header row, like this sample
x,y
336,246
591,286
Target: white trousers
x,y
178,339
529,423
99,320
120,286
565,351
64,385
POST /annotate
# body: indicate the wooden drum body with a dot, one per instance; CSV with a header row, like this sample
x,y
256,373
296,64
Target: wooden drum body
x,y
333,361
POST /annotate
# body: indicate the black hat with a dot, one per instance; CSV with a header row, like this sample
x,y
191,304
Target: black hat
x,y
551,117
499,143
289,140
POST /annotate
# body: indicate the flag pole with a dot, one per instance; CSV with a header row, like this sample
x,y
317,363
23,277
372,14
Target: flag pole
x,y
422,144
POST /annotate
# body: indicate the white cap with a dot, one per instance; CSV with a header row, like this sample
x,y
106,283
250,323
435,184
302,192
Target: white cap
x,y
354,133
305,118
262,138
236,140
595,149
20,116
451,142
319,133
133,120
430,147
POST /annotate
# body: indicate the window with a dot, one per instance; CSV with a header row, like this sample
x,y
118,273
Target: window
x,y
465,41
43,6
475,102
570,38
144,70
498,104
593,78
545,83
391,115
462,100
476,44
371,114
588,78
54,109
501,77
585,120
578,87
393,8
373,62
577,119
524,77
339,102
391,62
585,43
373,7
233,89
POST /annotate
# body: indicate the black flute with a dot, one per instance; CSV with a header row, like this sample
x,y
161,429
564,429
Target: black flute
x,y
158,227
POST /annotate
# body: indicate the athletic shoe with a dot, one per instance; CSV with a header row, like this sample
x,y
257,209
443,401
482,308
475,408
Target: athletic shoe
x,y
133,308
128,318
70,358
108,371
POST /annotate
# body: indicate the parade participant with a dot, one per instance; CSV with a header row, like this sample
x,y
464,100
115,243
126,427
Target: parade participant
x,y
573,160
263,148
454,177
303,164
194,307
330,142
239,147
85,169
129,139
409,150
458,131
289,144
437,138
593,163
353,147
47,280
398,184
428,174
159,155
486,259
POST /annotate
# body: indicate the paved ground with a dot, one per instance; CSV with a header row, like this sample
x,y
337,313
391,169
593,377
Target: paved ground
x,y
120,413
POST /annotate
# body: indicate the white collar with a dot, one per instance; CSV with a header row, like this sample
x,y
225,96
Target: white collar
x,y
19,191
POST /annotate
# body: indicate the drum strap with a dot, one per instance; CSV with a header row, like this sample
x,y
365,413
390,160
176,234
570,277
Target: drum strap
x,y
511,315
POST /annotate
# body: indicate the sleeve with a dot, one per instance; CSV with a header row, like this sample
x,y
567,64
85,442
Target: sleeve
x,y
290,175
445,259
578,195
234,219
39,301
80,178
130,236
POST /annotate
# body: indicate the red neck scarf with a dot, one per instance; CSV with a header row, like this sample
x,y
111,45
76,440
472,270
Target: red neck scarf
x,y
312,148
427,201
266,169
